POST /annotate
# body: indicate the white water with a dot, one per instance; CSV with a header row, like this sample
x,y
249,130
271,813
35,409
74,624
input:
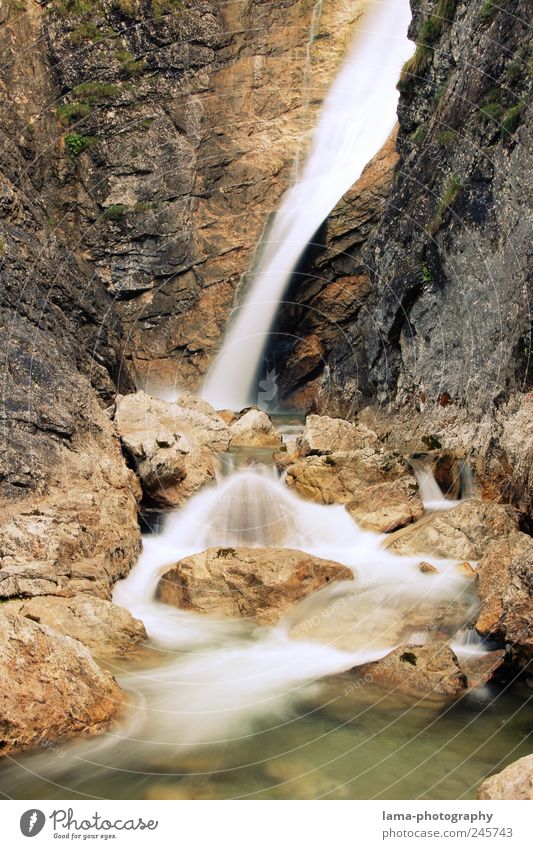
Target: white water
x,y
357,116
430,492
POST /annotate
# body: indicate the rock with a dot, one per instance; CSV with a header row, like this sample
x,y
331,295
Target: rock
x,y
426,671
387,506
465,532
466,569
103,627
427,568
324,435
254,429
513,782
253,582
50,687
171,443
378,486
493,575
480,669
517,623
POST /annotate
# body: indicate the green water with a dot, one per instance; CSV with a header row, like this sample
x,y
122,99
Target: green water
x,y
341,743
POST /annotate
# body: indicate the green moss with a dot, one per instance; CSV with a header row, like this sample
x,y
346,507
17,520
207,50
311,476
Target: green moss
x,y
2,246
491,111
430,31
488,11
115,212
330,461
142,206
76,143
69,113
415,66
130,66
95,92
452,189
86,31
146,123
426,273
419,134
511,120
446,137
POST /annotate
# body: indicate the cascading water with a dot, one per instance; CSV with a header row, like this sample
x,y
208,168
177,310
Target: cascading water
x,y
357,117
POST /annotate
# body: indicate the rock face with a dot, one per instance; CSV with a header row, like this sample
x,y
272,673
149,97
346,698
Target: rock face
x,y
254,429
259,583
513,782
465,532
105,628
452,245
171,444
427,671
518,607
50,686
345,463
169,200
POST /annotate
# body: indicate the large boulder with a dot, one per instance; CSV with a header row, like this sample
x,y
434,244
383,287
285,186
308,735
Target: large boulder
x,y
102,626
254,429
513,782
494,579
378,486
388,506
172,444
465,532
260,583
426,671
50,686
517,623
323,435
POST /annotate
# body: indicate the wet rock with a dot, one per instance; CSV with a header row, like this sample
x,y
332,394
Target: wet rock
x,y
171,444
426,671
480,669
513,782
254,429
494,579
465,532
260,583
50,687
105,628
388,506
427,568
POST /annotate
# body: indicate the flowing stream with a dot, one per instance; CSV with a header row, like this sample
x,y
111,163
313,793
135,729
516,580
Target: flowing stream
x,y
357,116
221,708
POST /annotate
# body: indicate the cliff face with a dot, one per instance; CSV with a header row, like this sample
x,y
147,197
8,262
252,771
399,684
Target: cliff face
x,y
447,318
181,121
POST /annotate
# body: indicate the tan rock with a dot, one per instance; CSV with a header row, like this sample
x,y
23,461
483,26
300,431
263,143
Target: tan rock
x,y
324,435
429,671
513,782
254,429
517,622
480,669
105,628
494,579
171,444
50,687
253,582
465,532
427,568
387,506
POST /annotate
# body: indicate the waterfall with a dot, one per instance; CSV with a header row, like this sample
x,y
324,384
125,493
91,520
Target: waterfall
x,y
358,114
430,492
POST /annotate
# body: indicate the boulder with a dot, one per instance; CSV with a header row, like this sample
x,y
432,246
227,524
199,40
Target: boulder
x,y
105,628
260,583
482,668
465,532
517,623
387,506
378,486
494,579
254,429
324,435
50,686
172,444
513,782
427,671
